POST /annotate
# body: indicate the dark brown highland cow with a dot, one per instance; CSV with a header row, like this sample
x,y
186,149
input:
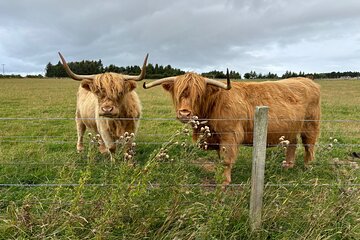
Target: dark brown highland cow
x,y
294,109
106,104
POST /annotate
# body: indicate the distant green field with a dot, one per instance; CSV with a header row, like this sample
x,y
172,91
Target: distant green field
x,y
66,195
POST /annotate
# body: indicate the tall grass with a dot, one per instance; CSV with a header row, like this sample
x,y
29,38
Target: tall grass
x,y
169,188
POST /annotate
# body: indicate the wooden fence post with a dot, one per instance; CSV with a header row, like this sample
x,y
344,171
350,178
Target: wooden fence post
x,y
258,166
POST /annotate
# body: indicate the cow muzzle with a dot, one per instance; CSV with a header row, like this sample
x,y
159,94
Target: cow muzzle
x,y
107,112
184,115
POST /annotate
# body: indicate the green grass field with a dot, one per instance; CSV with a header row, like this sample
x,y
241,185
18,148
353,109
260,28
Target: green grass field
x,y
66,195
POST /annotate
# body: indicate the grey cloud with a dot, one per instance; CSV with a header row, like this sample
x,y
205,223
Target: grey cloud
x,y
245,35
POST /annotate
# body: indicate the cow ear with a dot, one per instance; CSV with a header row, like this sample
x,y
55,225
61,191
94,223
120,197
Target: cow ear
x,y
87,84
168,86
130,85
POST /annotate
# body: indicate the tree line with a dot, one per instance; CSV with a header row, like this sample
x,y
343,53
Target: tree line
x,y
153,71
288,74
156,71
19,76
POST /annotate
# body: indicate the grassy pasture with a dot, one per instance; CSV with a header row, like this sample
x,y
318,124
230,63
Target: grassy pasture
x,y
117,200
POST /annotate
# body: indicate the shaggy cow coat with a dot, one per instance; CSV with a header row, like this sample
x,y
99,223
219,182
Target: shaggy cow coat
x,y
108,105
294,110
108,90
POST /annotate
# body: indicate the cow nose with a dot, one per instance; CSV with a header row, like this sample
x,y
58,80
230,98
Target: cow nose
x,y
107,109
184,113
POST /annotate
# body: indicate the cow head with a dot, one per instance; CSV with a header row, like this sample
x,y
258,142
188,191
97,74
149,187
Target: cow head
x,y
190,93
110,88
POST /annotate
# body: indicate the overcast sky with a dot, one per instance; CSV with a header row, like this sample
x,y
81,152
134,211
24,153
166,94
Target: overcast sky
x,y
201,35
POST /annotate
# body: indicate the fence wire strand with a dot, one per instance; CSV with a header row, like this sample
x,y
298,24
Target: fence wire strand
x,y
161,143
174,119
45,139
348,132
156,185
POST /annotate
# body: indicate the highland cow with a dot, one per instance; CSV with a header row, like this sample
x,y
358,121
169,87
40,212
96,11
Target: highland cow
x,y
294,109
107,104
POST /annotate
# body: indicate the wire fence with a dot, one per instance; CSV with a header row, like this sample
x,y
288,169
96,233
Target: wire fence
x,y
194,185
45,138
169,134
41,141
174,119
50,139
342,187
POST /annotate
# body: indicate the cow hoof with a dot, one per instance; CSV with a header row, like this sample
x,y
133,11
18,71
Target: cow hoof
x,y
225,185
103,149
80,149
287,165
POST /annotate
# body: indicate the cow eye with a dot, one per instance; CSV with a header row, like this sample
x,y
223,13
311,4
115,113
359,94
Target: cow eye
x,y
185,93
101,97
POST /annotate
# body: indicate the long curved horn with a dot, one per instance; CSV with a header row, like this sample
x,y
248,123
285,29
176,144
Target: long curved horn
x,y
142,74
158,82
73,75
215,83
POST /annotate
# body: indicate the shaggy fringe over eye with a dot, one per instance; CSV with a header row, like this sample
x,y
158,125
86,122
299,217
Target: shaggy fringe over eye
x,y
113,85
195,87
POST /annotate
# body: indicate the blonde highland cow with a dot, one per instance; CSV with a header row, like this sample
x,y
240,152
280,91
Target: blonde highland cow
x,y
107,104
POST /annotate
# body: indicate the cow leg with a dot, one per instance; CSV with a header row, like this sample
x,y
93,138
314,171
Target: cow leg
x,y
309,154
229,146
108,141
81,127
102,147
228,153
309,146
310,133
290,154
309,136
